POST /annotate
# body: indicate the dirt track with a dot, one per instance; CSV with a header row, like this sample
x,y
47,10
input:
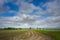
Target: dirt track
x,y
31,35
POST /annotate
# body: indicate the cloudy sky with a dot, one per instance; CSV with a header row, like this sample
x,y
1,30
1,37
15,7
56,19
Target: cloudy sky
x,y
30,13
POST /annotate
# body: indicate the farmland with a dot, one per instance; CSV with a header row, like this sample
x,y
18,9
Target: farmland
x,y
29,35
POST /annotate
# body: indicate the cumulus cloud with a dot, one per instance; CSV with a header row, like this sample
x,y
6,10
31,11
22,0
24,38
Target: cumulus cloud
x,y
7,6
53,20
30,15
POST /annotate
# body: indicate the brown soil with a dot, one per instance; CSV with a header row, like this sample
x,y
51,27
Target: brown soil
x,y
31,35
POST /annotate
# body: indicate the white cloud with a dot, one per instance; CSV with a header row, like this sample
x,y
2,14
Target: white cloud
x,y
24,18
51,22
53,8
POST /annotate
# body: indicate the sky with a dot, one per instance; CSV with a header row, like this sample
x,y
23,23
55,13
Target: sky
x,y
30,13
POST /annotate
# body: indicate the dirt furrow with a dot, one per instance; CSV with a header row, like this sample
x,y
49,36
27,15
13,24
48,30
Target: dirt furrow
x,y
31,35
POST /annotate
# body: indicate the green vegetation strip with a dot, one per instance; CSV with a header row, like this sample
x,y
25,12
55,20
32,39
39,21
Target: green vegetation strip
x,y
53,33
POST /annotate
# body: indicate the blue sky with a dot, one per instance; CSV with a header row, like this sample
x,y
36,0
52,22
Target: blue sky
x,y
30,13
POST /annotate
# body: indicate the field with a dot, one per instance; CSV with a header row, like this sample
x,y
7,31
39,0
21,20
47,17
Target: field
x,y
53,33
29,35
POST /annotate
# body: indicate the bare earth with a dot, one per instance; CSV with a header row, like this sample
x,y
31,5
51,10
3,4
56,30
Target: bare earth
x,y
30,35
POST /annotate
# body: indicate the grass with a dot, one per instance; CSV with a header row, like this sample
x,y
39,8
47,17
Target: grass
x,y
6,34
53,33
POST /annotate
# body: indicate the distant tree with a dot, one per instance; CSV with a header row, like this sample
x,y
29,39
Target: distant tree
x,y
10,28
30,28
